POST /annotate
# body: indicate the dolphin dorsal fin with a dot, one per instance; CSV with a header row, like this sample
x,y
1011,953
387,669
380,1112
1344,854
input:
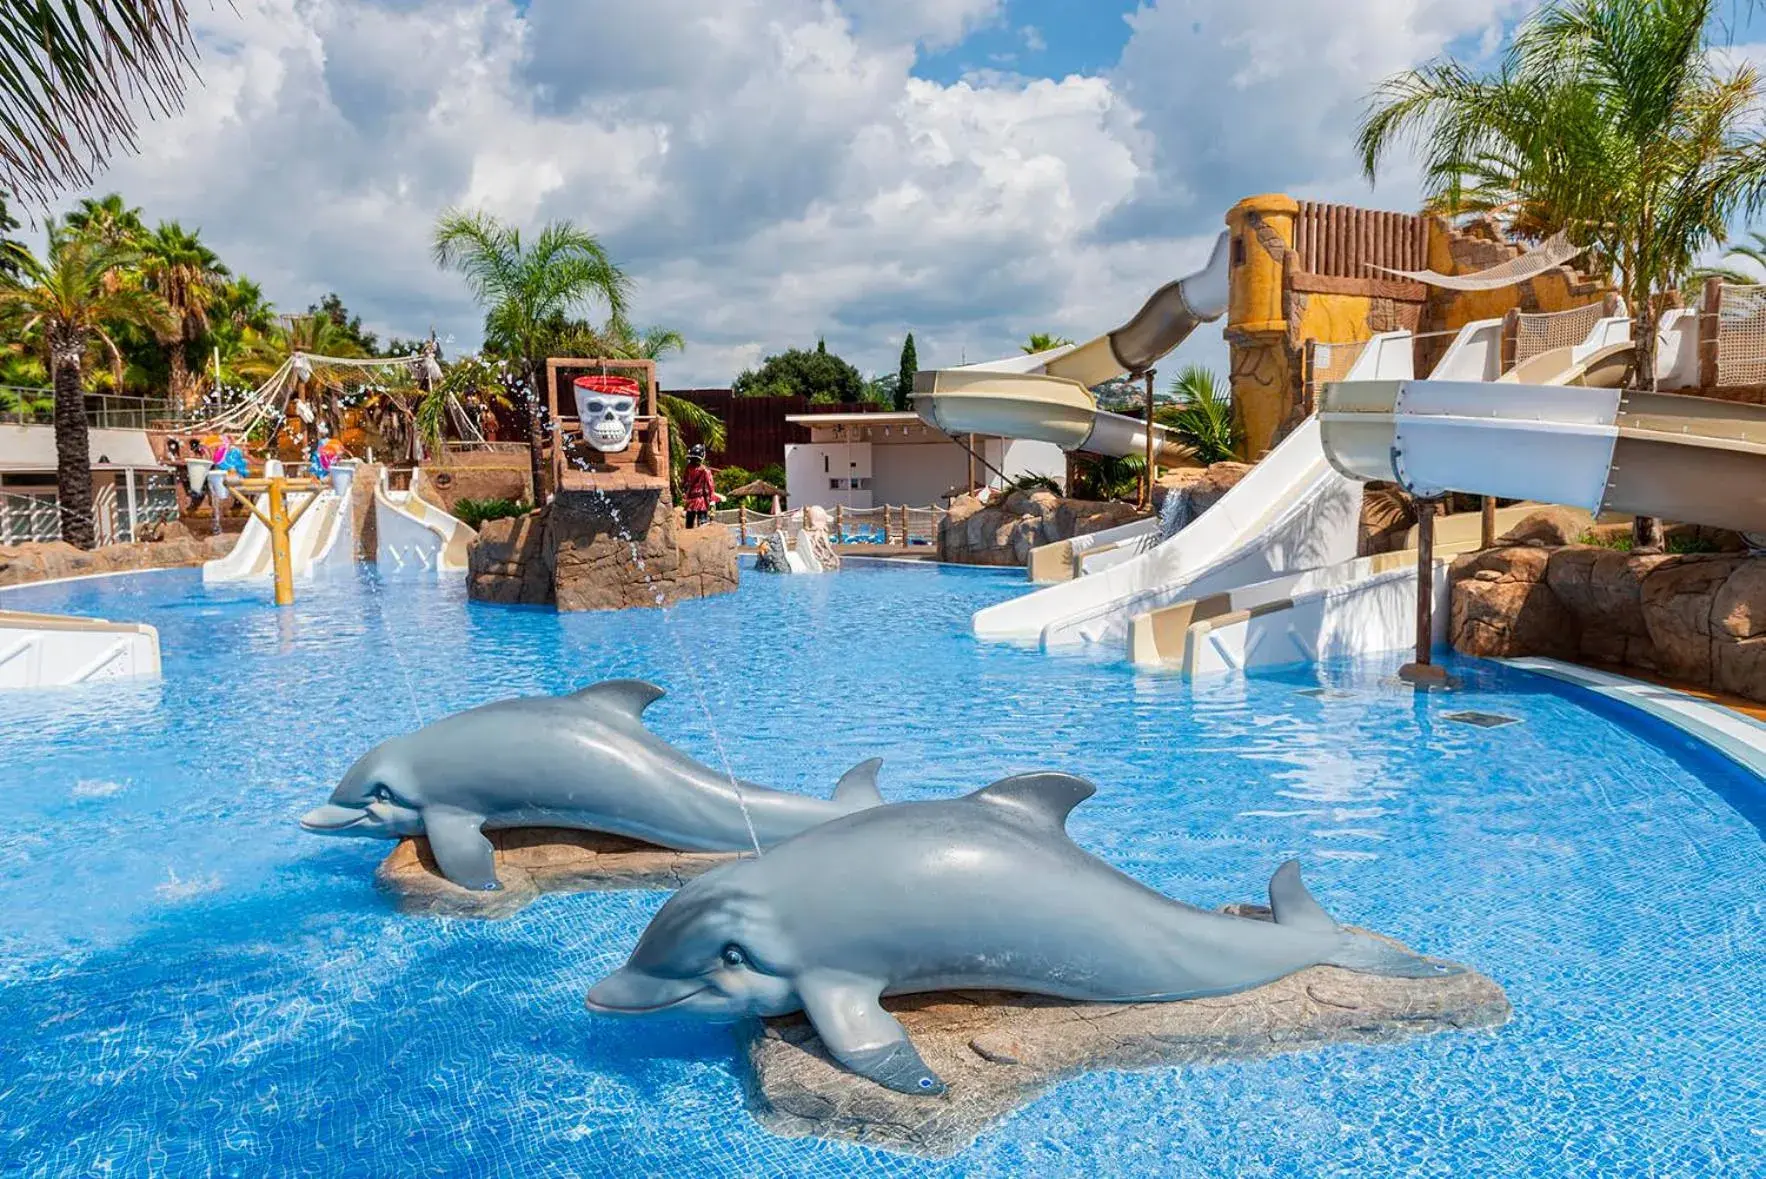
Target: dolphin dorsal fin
x,y
1045,797
1292,905
858,786
626,697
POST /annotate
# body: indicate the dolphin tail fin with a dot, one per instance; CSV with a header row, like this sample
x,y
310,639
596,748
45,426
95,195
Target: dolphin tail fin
x,y
1370,955
1296,908
857,787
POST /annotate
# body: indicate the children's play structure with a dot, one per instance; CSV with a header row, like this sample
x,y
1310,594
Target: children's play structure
x,y
1332,313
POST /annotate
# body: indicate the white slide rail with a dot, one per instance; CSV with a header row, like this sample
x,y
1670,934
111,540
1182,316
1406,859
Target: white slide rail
x,y
1291,512
413,535
54,651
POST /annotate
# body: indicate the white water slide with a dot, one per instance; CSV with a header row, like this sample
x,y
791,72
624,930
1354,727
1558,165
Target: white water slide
x,y
413,535
321,542
1368,606
1293,514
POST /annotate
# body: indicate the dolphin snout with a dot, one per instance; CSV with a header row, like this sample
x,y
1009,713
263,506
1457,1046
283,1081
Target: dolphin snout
x,y
631,992
329,818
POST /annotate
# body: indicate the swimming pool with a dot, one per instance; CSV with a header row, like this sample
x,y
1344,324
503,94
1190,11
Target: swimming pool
x,y
189,984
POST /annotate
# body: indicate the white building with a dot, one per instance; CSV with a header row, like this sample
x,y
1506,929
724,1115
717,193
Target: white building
x,y
129,484
867,460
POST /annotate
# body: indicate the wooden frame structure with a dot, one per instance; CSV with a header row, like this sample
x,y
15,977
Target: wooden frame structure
x,y
642,466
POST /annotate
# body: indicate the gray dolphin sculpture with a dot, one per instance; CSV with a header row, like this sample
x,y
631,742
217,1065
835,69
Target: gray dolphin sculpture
x,y
984,892
584,761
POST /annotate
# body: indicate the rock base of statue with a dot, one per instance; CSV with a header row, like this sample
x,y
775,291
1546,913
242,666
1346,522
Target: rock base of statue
x,y
535,860
996,1051
607,550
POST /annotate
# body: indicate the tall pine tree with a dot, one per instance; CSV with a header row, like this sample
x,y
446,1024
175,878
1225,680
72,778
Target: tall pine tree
x,y
904,382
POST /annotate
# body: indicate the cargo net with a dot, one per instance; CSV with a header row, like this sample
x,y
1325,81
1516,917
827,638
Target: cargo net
x,y
1741,335
1332,362
1542,331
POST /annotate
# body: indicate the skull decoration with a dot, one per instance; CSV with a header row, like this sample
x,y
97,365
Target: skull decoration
x,y
606,411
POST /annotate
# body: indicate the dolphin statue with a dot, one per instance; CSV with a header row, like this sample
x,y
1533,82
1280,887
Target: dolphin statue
x,y
981,892
584,760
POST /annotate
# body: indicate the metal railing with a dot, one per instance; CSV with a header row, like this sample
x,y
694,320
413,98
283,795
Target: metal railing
x,y
888,525
35,517
29,406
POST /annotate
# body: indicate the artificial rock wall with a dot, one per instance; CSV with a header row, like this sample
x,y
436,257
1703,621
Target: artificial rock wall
x,y
599,551
1698,619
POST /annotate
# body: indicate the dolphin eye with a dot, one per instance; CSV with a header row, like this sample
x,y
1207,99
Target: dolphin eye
x,y
380,793
733,955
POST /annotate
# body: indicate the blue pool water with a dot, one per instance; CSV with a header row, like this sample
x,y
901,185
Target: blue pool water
x,y
190,986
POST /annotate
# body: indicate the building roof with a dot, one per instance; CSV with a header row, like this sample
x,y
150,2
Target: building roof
x,y
892,417
32,448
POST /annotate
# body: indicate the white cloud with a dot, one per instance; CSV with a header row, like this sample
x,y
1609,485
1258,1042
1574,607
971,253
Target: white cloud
x,y
769,170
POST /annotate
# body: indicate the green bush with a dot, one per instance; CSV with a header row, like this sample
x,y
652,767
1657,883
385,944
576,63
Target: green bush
x,y
475,512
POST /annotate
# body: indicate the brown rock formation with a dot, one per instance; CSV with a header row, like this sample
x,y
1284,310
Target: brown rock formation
x,y
534,860
600,552
49,561
1502,606
1214,482
1696,618
998,1051
1551,527
1004,534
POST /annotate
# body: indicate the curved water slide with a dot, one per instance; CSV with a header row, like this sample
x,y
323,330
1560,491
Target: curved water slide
x,y
1046,396
414,535
1290,513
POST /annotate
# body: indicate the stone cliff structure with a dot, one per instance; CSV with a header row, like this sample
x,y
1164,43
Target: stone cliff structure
x,y
600,551
1698,619
1004,533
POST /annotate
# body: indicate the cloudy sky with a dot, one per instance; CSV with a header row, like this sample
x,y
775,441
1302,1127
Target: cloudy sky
x,y
771,171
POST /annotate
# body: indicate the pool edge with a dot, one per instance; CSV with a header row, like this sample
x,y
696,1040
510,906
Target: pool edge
x,y
1739,738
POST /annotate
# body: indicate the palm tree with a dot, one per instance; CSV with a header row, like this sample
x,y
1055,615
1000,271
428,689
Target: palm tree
x,y
1043,341
109,219
78,73
177,267
1614,119
523,290
1726,269
66,298
1203,414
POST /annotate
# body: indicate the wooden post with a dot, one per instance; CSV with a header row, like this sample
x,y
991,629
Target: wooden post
x,y
1710,325
1072,473
840,520
280,557
1487,526
1511,338
1423,672
971,449
742,523
1147,477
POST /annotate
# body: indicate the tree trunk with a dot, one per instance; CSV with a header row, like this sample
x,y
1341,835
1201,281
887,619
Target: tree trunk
x,y
73,443
179,379
535,443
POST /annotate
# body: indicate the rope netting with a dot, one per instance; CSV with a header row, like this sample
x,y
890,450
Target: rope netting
x,y
1332,362
1550,254
1741,335
1541,331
